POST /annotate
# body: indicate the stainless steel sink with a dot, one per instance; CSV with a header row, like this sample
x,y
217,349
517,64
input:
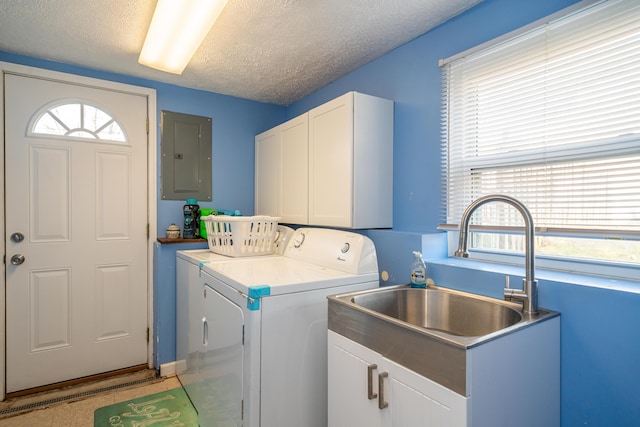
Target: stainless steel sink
x,y
436,309
429,331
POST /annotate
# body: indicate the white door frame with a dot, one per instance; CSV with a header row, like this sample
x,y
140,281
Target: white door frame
x,y
150,94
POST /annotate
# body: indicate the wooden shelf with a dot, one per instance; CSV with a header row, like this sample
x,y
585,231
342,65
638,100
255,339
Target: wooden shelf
x,y
180,240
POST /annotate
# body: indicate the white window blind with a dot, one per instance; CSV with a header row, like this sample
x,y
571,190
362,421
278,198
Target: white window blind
x,y
551,117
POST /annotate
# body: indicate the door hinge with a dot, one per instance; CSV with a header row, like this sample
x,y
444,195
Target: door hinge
x,y
147,231
242,334
147,125
242,409
148,335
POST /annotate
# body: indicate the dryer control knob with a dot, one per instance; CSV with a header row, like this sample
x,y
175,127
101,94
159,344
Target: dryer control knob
x,y
298,241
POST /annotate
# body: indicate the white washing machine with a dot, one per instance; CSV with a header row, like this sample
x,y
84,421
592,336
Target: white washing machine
x,y
262,336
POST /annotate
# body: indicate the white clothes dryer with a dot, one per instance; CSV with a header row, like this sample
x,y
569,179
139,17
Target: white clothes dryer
x,y
262,358
189,295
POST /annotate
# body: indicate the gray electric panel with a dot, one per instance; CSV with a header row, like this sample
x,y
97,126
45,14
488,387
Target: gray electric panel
x,y
186,157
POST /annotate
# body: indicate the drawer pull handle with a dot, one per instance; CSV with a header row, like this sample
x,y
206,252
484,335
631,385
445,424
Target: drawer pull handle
x,y
370,392
381,403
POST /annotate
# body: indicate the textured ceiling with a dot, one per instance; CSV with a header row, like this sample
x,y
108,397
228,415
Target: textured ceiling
x,y
275,51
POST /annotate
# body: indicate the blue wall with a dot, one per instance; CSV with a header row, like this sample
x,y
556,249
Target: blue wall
x,y
599,350
600,320
410,76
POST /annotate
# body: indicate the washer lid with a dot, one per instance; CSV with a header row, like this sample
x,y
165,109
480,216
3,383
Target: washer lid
x,y
282,274
200,255
197,256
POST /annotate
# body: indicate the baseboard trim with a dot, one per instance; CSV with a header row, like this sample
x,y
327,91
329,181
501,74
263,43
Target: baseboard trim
x,y
168,369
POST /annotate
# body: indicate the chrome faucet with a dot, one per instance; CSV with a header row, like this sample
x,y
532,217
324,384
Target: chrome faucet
x,y
528,295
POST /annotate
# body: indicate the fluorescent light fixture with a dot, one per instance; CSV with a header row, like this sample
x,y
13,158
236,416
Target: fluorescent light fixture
x,y
177,29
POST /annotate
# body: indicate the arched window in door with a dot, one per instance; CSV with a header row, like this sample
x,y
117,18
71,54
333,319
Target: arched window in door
x,y
77,119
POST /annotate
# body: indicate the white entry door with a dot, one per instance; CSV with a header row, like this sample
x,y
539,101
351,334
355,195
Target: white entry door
x,y
76,231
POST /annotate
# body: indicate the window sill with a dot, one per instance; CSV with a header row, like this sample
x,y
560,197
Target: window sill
x,y
502,270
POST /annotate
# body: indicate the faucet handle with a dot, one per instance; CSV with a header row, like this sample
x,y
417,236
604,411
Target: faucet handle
x,y
461,253
506,282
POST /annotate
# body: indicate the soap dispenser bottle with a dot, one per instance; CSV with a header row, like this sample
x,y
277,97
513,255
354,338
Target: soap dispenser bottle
x,y
418,271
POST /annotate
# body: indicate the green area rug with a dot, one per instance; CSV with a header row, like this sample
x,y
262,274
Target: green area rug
x,y
168,408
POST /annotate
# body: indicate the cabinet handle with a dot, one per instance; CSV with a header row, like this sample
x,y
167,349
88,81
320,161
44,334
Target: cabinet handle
x,y
370,392
381,403
205,332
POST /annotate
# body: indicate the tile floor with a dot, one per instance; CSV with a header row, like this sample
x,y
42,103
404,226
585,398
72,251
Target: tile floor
x,y
79,413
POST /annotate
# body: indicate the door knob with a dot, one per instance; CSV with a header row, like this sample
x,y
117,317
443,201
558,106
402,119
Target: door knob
x,y
17,259
17,237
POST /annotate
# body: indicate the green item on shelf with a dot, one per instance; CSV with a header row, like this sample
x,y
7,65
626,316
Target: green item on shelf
x,y
203,227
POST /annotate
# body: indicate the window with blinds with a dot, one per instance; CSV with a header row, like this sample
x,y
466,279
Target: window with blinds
x,y
550,116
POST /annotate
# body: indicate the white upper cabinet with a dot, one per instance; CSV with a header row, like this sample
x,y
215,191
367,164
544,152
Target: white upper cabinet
x,y
351,162
267,173
294,170
282,169
335,165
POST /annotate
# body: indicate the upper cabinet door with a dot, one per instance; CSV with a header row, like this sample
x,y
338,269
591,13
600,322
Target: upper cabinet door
x,y
295,170
351,162
268,173
331,163
282,171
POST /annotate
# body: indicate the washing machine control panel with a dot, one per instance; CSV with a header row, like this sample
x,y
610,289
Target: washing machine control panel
x,y
336,249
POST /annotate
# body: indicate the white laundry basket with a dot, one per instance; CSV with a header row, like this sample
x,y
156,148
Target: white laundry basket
x,y
238,236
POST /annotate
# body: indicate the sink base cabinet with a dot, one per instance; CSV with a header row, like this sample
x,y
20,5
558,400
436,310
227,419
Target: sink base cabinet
x,y
511,380
407,399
